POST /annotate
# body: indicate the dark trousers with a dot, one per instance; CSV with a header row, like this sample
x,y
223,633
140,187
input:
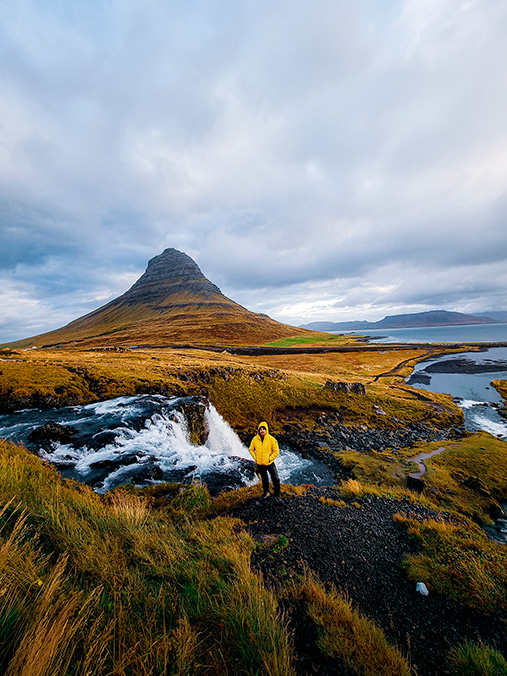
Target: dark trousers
x,y
264,470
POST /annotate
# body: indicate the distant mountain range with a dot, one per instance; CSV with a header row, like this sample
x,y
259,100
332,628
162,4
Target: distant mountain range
x,y
419,319
171,303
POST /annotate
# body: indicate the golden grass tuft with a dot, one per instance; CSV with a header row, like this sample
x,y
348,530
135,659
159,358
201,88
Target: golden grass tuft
x,y
460,562
329,502
346,634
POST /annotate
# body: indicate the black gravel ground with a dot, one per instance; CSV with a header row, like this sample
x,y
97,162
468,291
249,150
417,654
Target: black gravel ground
x,y
360,550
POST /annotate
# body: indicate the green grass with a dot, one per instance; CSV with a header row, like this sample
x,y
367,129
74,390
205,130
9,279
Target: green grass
x,y
469,477
310,340
459,561
472,659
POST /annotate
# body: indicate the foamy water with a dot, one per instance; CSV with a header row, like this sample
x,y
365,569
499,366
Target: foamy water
x,y
147,440
472,391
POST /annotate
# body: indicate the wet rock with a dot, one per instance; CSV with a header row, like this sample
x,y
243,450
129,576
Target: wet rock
x,y
51,431
194,411
101,439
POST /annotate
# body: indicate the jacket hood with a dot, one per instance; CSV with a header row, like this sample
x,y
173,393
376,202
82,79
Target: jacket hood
x,y
263,424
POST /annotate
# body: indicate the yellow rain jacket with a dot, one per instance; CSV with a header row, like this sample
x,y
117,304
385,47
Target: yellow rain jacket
x,y
264,451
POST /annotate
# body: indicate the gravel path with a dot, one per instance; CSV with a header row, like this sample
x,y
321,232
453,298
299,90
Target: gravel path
x,y
359,551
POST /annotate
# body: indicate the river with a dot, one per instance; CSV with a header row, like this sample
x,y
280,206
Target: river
x,y
145,439
467,377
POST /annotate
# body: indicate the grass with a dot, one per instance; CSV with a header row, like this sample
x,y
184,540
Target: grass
x,y
242,390
150,591
345,634
319,339
375,468
469,477
142,582
459,561
473,659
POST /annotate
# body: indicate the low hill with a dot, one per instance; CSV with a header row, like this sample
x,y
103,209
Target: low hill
x,y
497,315
171,303
419,319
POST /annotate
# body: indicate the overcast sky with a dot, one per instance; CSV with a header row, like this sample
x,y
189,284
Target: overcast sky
x,y
319,160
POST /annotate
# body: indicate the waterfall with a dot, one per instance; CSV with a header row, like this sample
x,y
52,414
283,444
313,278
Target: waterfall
x,y
145,439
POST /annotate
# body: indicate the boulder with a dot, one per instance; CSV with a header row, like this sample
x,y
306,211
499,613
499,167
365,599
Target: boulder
x,y
52,431
347,388
194,411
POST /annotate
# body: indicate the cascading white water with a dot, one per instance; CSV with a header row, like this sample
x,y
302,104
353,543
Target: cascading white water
x,y
147,440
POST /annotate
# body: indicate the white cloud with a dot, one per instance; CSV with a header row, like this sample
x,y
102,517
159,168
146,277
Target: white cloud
x,y
292,149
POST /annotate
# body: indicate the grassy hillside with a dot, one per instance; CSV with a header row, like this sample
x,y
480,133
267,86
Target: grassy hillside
x,y
243,389
96,585
160,581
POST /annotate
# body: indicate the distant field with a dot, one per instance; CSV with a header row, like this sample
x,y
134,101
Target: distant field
x,y
310,340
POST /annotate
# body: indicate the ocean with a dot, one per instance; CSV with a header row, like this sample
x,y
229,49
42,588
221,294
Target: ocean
x,y
475,333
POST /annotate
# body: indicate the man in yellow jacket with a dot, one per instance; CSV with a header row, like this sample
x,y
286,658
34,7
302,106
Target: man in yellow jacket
x,y
264,449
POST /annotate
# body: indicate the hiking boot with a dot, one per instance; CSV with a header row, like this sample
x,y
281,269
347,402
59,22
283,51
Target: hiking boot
x,y
266,495
278,499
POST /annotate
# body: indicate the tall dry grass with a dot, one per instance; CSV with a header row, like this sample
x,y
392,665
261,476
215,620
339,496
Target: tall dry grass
x,y
98,586
346,634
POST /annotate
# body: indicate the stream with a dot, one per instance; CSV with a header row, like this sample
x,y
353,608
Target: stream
x,y
467,378
145,439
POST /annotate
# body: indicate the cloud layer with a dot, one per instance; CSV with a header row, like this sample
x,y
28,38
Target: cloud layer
x,y
318,160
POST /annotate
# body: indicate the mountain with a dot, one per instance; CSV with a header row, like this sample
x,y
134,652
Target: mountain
x,y
432,318
171,303
497,315
419,319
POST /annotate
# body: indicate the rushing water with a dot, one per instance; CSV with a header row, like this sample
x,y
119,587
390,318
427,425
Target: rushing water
x,y
145,439
467,377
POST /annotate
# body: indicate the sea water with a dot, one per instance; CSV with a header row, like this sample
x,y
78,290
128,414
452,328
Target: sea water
x,y
467,378
472,333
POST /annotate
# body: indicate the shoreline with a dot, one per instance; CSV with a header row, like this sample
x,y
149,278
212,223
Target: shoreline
x,y
271,350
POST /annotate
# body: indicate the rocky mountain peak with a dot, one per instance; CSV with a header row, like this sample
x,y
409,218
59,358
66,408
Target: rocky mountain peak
x,y
171,272
169,264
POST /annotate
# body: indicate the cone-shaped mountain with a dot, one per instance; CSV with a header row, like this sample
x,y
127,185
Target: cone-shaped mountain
x,y
171,303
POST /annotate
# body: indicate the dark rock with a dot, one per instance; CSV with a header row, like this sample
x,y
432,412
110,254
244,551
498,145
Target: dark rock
x,y
476,484
194,411
101,439
347,388
361,552
52,431
415,483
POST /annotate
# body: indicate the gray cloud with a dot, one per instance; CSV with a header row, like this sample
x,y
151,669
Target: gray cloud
x,y
329,161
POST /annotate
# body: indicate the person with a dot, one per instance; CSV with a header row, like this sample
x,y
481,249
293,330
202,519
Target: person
x,y
264,450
